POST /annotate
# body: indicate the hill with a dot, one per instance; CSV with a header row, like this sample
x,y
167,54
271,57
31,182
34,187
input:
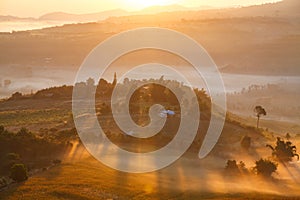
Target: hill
x,y
5,18
80,176
92,17
47,114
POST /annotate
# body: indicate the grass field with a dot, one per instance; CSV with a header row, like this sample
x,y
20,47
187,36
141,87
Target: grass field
x,y
82,177
12,118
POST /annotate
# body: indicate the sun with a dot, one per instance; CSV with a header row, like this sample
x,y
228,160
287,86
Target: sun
x,y
137,4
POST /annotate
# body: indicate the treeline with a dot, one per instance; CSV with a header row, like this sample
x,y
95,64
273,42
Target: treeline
x,y
23,151
155,92
281,153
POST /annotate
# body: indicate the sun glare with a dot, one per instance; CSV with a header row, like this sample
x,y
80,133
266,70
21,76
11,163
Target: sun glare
x,y
147,3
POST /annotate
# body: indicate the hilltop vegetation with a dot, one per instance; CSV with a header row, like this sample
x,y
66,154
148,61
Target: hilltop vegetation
x,y
55,138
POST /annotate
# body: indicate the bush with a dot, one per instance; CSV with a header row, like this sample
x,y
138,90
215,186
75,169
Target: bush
x,y
56,162
18,172
12,156
232,167
265,167
2,129
8,161
23,132
3,182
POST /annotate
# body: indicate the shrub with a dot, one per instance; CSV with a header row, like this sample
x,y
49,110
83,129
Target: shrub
x,y
18,172
23,132
232,167
288,136
2,129
56,162
12,156
265,167
3,182
8,161
242,167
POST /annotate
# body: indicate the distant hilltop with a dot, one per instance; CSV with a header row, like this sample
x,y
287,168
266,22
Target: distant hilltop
x,y
265,38
93,17
281,8
13,18
61,16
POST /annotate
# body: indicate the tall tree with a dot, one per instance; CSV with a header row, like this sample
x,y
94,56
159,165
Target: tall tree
x,y
259,111
284,151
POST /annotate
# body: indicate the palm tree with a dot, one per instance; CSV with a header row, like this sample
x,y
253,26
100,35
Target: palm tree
x,y
259,111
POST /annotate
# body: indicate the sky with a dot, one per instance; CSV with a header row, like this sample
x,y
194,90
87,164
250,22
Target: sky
x,y
36,8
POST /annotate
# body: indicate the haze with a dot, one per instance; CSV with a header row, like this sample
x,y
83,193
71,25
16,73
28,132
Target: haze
x,y
35,8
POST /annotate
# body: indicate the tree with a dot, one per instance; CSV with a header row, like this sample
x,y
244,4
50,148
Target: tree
x,y
18,172
3,182
246,142
56,162
242,167
265,167
25,133
284,151
288,136
12,156
2,129
16,96
232,167
259,111
8,161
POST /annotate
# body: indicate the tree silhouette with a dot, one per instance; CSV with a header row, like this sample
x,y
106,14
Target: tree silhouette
x,y
2,129
265,167
18,172
246,142
3,182
259,111
284,151
232,167
288,136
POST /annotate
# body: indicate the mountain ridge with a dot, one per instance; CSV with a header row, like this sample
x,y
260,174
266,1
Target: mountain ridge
x,y
282,8
101,15
58,16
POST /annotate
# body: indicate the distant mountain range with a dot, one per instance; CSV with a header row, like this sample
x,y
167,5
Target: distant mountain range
x,y
262,39
92,17
13,18
285,8
170,8
61,16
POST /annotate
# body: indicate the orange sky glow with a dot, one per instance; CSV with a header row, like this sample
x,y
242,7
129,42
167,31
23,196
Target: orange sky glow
x,y
36,8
